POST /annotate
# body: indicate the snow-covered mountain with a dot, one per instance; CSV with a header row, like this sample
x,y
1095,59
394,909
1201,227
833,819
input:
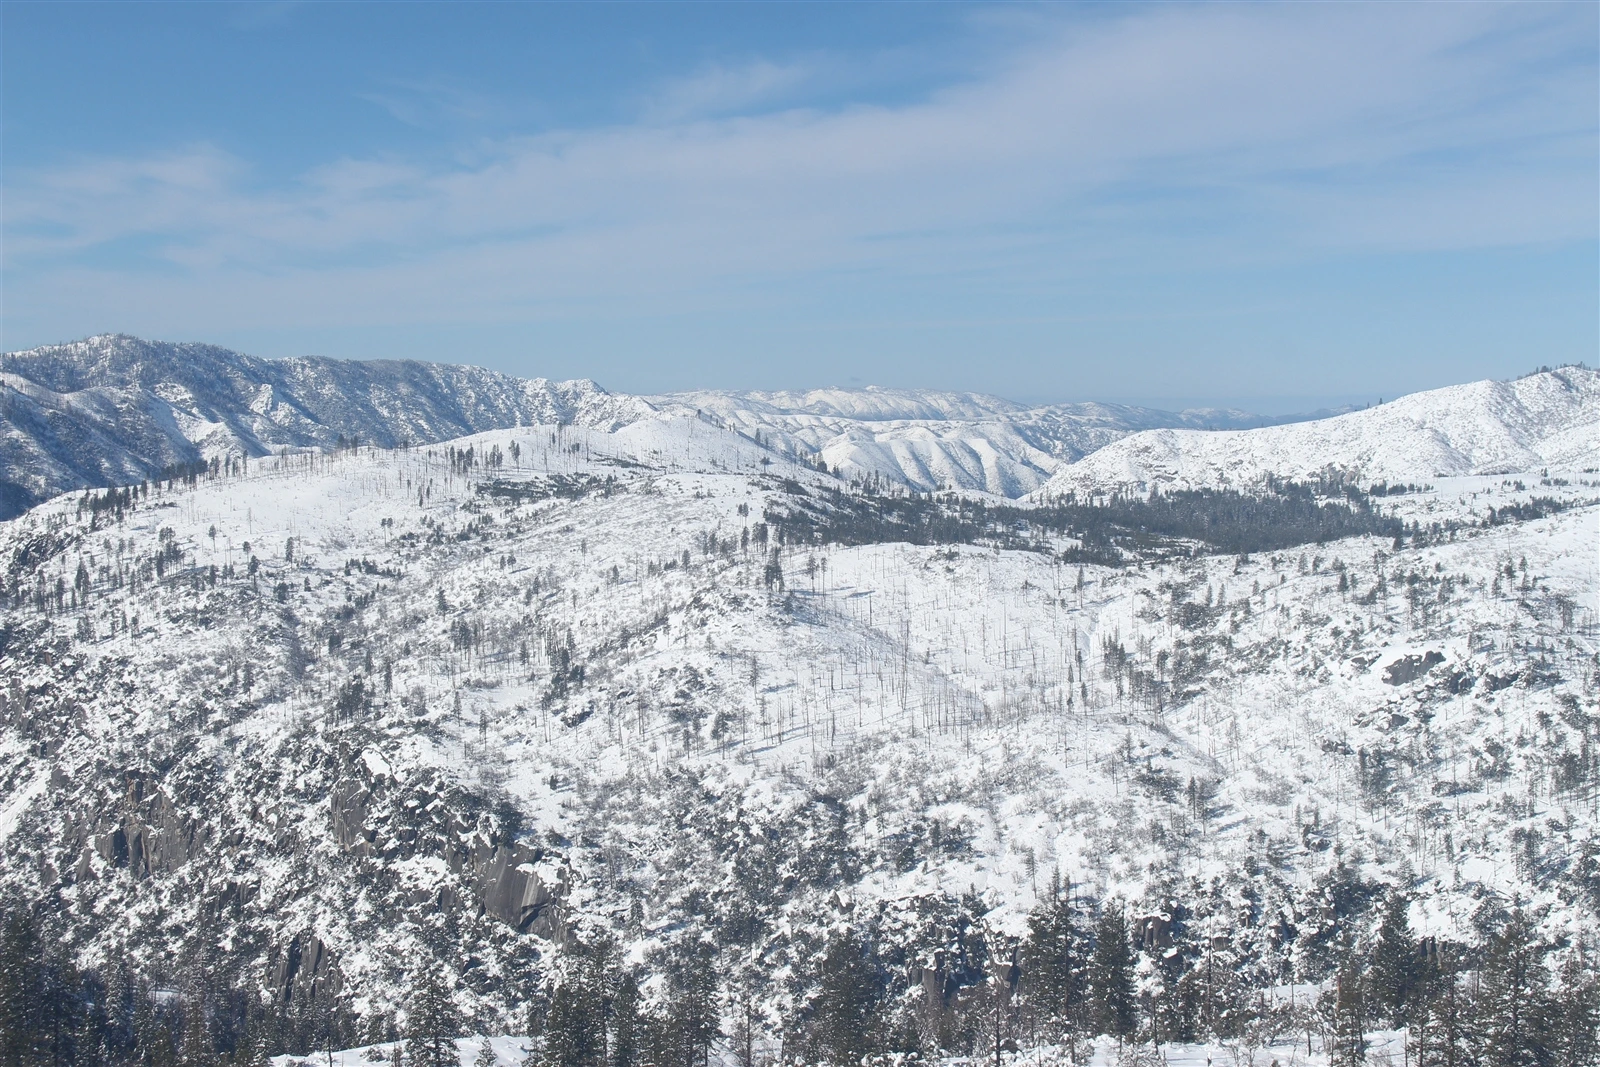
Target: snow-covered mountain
x,y
114,409
332,722
318,724
1546,419
929,440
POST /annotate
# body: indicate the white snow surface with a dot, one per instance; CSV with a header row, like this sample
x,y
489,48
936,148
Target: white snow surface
x,y
1548,419
111,409
1383,1046
897,728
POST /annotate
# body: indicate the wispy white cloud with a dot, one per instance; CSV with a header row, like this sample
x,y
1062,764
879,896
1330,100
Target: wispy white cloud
x,y
1210,131
433,104
722,89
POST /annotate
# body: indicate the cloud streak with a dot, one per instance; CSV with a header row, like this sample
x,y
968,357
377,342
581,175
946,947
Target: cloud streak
x,y
1192,134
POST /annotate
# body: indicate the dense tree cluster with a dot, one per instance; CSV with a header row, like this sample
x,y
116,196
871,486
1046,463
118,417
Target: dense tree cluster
x,y
52,1012
1085,969
1109,529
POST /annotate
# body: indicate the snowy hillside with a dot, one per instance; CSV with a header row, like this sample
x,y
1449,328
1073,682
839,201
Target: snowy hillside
x,y
114,409
1548,419
929,440
340,722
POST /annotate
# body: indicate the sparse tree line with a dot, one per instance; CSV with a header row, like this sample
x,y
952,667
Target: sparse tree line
x,y
848,994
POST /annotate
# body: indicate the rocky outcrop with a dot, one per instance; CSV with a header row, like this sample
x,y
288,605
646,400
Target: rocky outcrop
x,y
303,971
143,833
518,885
522,885
1408,669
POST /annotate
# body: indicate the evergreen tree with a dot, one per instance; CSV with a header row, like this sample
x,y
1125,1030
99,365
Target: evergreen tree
x,y
846,1023
21,990
431,1023
625,1022
574,1028
1347,1018
744,1009
156,1045
1115,1005
692,1016
1575,1030
1053,966
1510,1007
1393,973
994,1004
486,1056
196,1049
1439,1019
659,1043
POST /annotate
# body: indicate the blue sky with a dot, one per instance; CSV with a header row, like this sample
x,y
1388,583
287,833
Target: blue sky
x,y
1275,206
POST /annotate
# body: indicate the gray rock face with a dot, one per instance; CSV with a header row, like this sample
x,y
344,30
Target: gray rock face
x,y
303,971
1410,668
142,832
510,888
499,880
113,409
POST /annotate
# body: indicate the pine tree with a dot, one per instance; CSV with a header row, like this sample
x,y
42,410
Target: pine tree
x,y
1439,1020
486,1056
846,1024
431,1023
692,1015
1510,1006
994,1004
1575,1036
743,1007
1053,965
574,1028
1347,1019
20,989
625,1022
1393,973
197,1050
1111,976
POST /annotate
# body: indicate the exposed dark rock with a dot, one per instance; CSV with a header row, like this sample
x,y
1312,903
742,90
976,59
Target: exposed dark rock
x,y
1410,668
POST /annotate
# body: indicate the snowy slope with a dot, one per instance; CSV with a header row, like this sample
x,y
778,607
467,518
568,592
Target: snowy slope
x,y
930,440
352,701
1549,419
114,409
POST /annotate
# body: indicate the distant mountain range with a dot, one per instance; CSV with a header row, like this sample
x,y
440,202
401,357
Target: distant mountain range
x,y
115,409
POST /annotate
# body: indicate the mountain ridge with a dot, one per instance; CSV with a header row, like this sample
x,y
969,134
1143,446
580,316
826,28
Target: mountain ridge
x,y
330,722
114,409
1548,418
